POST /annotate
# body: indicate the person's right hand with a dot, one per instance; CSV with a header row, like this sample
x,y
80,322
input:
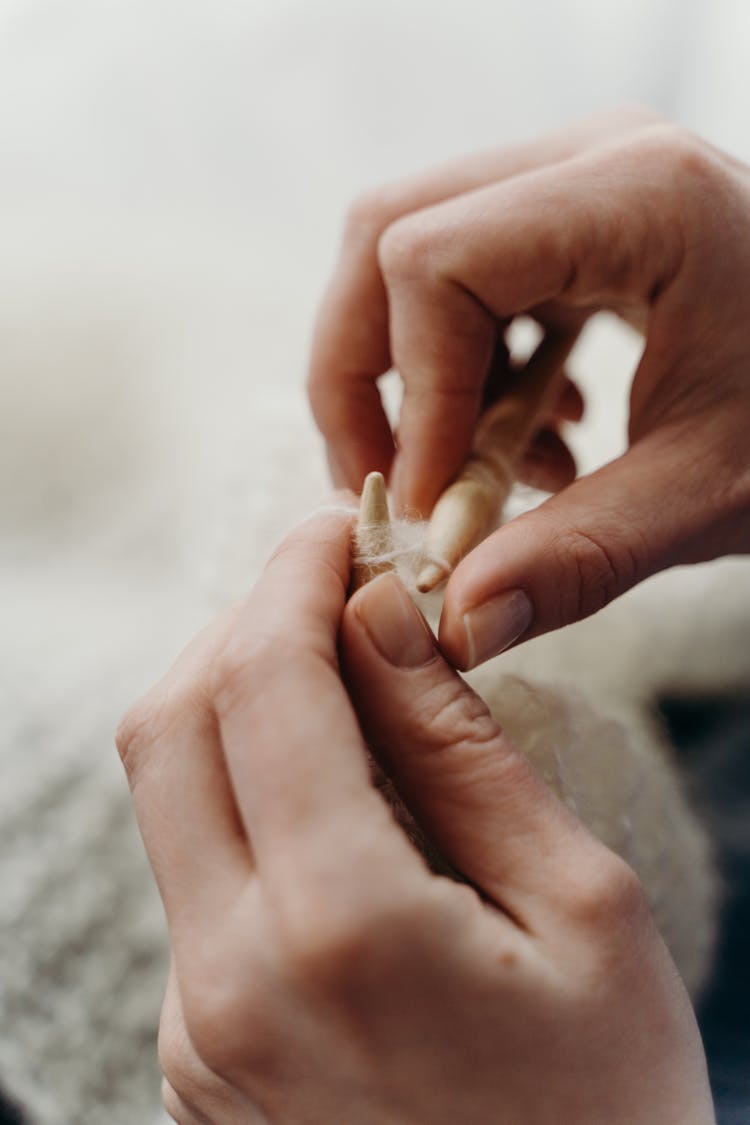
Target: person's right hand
x,y
623,212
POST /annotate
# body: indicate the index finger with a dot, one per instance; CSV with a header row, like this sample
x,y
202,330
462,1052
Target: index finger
x,y
292,742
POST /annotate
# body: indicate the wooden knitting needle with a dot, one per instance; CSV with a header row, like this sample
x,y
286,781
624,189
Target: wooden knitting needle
x,y
373,538
470,506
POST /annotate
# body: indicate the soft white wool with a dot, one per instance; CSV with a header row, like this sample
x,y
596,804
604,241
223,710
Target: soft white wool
x,y
627,792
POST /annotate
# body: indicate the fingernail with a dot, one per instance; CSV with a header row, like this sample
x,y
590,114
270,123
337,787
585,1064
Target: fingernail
x,y
492,627
394,624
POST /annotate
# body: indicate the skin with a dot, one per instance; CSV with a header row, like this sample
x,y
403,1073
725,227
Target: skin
x,y
320,972
622,212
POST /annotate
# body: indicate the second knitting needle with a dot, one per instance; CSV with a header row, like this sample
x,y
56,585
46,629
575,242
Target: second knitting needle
x,y
470,506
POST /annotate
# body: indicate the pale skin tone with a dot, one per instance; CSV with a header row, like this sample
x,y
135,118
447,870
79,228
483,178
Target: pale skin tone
x,y
321,973
622,212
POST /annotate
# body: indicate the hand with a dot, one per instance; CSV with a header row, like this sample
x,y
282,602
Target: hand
x,y
622,212
321,974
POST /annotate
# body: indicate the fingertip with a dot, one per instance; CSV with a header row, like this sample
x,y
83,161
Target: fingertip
x,y
416,490
349,468
453,641
349,412
413,497
547,463
571,405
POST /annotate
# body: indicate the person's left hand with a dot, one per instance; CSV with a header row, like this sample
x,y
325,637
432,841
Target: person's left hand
x,y
321,974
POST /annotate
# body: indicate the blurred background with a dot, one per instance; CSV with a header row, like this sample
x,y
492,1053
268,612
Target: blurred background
x,y
173,179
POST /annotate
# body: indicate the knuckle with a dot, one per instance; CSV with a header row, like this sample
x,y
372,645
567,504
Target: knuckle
x,y
133,732
187,1084
210,1031
335,950
691,157
631,116
369,213
599,566
179,1086
174,1105
247,666
137,734
462,713
456,723
406,250
327,953
163,711
224,1025
241,668
244,664
468,750
688,160
607,897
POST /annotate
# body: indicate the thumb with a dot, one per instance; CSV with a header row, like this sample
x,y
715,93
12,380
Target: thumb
x,y
471,791
582,548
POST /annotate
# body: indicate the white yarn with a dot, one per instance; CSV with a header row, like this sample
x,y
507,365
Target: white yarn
x,y
408,555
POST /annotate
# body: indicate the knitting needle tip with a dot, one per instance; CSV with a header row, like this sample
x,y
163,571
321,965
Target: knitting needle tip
x,y
430,576
372,538
373,505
